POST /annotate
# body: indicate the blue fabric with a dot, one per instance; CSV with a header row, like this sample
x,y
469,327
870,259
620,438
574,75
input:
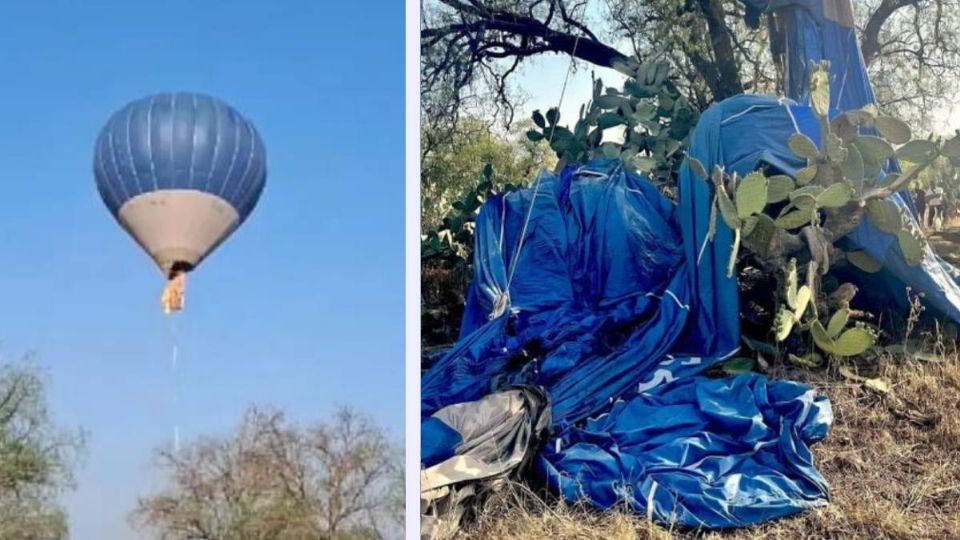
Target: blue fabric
x,y
820,30
711,453
438,441
180,141
740,134
615,305
600,297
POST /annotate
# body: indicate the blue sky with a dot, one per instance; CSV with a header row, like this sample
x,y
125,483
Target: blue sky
x,y
301,308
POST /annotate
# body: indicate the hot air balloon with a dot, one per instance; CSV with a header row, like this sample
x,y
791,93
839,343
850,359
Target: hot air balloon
x,y
179,172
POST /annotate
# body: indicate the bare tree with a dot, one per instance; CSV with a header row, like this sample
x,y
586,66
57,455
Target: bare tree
x,y
273,480
472,48
36,459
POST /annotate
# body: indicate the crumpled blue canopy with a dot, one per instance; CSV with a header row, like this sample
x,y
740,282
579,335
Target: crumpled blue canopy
x,y
601,299
701,453
824,30
616,302
614,296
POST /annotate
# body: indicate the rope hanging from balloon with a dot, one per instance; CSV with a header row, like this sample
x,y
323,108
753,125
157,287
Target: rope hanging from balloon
x,y
502,302
175,373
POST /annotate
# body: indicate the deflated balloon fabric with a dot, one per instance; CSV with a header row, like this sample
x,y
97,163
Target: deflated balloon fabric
x,y
710,453
600,307
598,300
824,30
470,449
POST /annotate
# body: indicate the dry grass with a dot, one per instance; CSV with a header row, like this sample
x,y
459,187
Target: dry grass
x,y
892,461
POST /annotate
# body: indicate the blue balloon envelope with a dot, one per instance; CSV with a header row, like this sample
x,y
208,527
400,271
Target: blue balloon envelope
x,y
180,172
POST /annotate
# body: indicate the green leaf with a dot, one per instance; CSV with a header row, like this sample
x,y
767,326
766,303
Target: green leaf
x,y
646,112
853,342
917,151
784,323
779,188
697,167
873,149
609,101
803,146
791,275
760,346
865,262
835,196
893,129
837,322
802,301
639,91
806,174
644,163
793,220
812,360
734,250
911,247
609,120
853,165
761,234
534,135
751,195
488,171
748,224
553,116
821,338
951,147
538,119
885,215
863,118
835,151
889,179
736,366
820,91
610,149
727,210
806,192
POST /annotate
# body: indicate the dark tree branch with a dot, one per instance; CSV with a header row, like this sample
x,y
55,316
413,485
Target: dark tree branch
x,y
583,46
870,44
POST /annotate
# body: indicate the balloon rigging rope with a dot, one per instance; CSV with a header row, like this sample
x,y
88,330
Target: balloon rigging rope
x,y
536,187
174,368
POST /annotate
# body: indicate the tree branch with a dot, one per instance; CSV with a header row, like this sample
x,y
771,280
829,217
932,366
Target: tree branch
x,y
870,45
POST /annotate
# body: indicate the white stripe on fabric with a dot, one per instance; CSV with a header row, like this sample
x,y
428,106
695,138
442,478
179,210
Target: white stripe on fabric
x,y
233,160
133,164
193,139
173,135
216,145
729,119
246,170
153,169
675,299
796,127
703,249
105,176
653,492
113,156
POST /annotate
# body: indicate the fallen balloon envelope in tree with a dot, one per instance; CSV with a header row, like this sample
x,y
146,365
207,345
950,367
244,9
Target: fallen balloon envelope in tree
x,y
179,172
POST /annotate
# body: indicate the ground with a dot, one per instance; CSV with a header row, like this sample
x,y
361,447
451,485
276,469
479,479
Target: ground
x,y
892,460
